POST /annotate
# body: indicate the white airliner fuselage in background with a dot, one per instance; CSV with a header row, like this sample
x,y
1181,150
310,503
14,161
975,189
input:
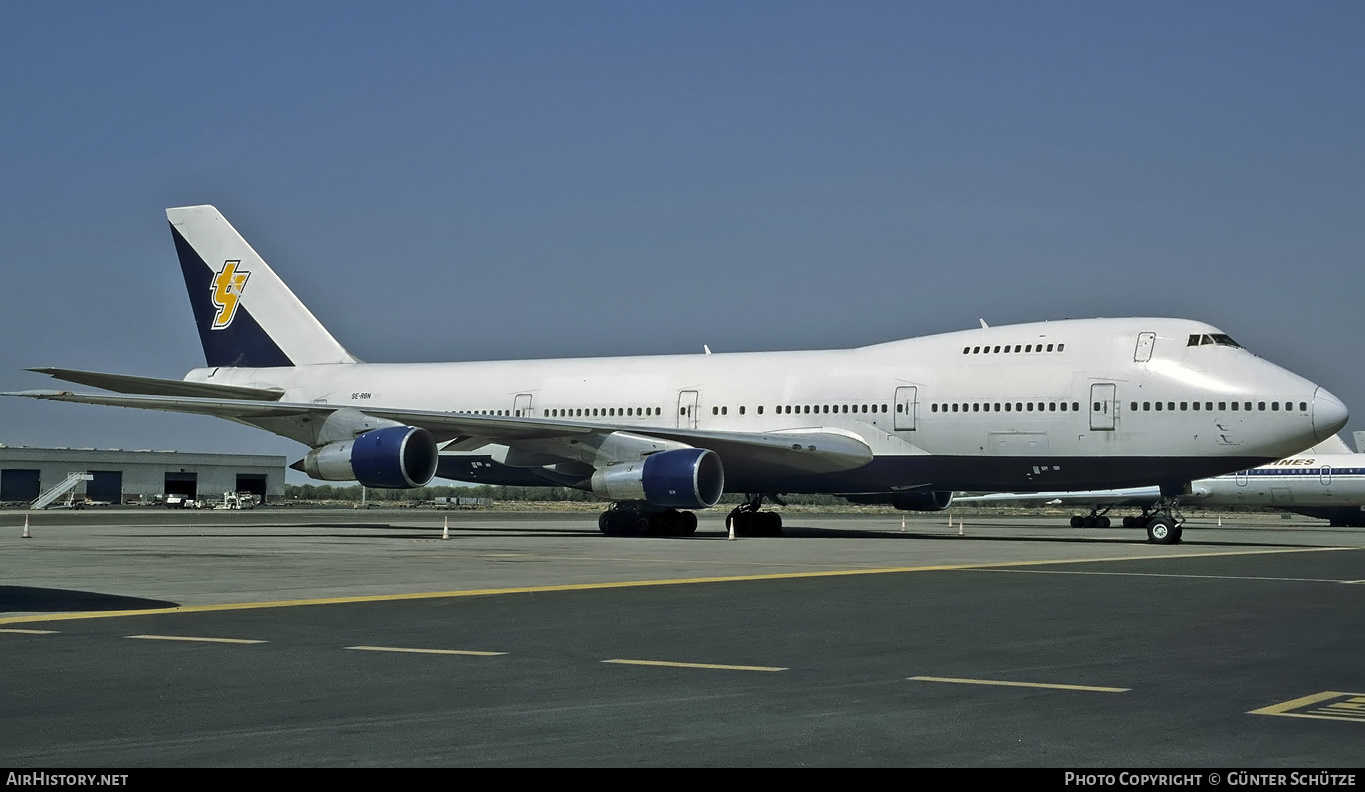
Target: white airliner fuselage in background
x,y
1045,406
1329,486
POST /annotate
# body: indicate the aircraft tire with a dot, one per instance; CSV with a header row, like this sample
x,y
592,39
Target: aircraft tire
x,y
1162,530
1077,521
1103,522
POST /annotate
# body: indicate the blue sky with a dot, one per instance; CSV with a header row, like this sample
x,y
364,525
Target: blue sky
x,y
452,181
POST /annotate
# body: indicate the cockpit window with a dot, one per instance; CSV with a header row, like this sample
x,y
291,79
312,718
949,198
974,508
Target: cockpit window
x,y
1219,339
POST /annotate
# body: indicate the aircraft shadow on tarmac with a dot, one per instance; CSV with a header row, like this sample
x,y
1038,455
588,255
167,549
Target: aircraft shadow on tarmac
x,y
29,598
1126,537
789,531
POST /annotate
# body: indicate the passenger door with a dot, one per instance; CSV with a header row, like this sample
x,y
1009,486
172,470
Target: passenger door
x,y
1102,406
688,401
904,420
1143,352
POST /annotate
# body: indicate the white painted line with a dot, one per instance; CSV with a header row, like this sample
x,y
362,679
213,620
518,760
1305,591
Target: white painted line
x,y
196,638
695,665
1005,683
469,652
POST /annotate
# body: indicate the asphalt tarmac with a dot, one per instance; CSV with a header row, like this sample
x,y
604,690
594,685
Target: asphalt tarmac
x,y
321,638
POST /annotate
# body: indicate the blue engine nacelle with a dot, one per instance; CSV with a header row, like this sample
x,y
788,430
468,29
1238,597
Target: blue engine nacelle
x,y
688,478
397,457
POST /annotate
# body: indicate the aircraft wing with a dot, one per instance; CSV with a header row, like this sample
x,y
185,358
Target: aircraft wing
x,y
806,451
1128,496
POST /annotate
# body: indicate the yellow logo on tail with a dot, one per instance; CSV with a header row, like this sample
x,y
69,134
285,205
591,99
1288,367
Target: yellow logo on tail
x,y
227,292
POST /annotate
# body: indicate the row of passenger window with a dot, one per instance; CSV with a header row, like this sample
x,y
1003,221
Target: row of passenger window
x,y
1222,406
1325,470
806,409
1004,407
604,412
998,349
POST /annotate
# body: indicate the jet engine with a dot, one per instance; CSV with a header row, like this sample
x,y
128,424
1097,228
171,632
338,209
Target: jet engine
x,y
908,501
687,478
396,457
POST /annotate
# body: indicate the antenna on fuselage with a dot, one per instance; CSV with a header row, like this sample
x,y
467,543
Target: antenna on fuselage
x,y
984,326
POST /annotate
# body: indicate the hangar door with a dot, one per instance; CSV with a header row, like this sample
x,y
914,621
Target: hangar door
x,y
105,487
19,485
186,484
253,483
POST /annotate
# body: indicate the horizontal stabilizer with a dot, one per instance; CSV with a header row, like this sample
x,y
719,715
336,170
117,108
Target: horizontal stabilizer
x,y
153,386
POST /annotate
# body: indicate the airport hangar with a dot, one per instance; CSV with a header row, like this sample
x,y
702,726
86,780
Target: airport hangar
x,y
138,476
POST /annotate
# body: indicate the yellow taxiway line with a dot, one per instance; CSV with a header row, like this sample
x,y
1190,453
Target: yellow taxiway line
x,y
231,606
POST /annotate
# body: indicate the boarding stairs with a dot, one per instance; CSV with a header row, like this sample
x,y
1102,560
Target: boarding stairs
x,y
58,491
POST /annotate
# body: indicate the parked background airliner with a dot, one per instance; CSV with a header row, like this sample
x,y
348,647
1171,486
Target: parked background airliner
x,y
1045,406
1327,481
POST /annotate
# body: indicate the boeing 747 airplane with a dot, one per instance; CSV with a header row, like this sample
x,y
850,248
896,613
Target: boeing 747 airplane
x,y
1045,406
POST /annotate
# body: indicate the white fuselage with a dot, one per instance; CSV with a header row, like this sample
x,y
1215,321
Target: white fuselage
x,y
1317,480
1067,404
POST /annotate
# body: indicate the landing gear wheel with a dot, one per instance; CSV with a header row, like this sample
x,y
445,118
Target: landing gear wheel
x,y
1077,521
637,520
622,522
747,520
1163,530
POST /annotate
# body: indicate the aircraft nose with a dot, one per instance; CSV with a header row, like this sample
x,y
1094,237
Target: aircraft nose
x,y
1329,414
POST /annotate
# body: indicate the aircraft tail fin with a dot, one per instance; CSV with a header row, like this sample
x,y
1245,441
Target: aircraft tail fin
x,y
247,316
1331,445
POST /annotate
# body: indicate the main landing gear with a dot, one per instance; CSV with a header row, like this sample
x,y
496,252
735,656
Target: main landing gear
x,y
747,520
639,519
1162,521
1096,519
1164,529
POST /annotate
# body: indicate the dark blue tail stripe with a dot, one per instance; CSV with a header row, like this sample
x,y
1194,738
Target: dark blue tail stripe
x,y
243,343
